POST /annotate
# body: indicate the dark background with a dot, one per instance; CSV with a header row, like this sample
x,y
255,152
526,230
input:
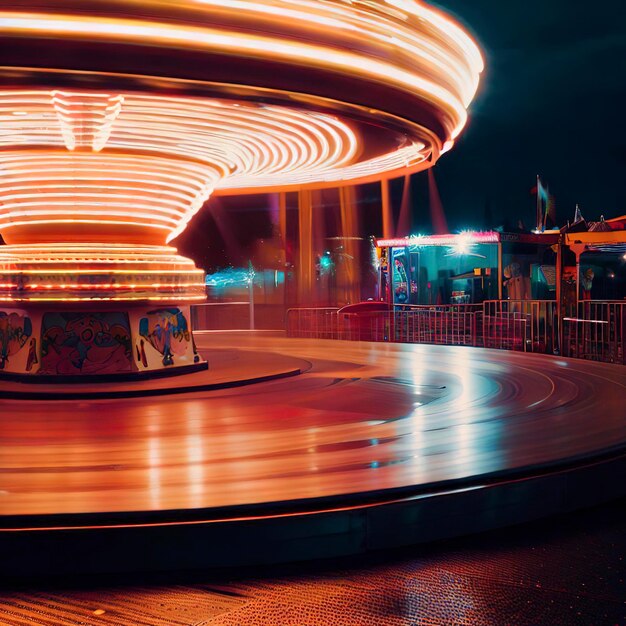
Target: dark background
x,y
552,102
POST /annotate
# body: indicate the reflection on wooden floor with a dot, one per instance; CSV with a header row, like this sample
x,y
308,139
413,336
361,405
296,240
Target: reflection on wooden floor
x,y
366,417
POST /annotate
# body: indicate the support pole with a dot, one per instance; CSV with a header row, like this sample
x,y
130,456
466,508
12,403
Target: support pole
x,y
500,270
351,258
282,222
251,293
305,249
559,295
386,209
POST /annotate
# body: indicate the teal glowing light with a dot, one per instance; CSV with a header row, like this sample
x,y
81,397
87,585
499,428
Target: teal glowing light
x,y
229,277
326,262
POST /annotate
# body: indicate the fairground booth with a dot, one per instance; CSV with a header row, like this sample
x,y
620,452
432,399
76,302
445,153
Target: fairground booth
x,y
467,268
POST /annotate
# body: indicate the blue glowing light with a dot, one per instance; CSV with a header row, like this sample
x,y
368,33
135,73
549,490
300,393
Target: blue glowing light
x,y
229,277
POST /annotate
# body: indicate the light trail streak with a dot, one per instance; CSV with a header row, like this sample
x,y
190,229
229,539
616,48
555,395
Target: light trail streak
x,y
95,166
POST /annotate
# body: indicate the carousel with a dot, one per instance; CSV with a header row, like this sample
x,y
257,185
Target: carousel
x,y
118,123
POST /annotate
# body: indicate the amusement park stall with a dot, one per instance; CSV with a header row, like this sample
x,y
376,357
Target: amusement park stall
x,y
554,292
472,288
488,289
467,268
592,292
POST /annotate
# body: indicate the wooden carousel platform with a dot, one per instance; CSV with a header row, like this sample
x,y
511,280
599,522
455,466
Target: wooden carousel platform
x,y
371,446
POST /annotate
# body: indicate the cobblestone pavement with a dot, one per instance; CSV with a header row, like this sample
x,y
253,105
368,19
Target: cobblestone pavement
x,y
567,570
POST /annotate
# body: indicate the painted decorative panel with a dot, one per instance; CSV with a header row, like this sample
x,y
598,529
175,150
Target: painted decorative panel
x,y
17,342
164,339
86,343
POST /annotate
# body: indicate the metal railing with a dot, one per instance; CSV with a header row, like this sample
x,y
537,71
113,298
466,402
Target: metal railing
x,y
237,316
449,325
220,315
366,326
597,332
457,324
313,323
527,325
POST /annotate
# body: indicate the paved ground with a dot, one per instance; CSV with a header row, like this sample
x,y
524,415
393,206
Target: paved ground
x,y
560,572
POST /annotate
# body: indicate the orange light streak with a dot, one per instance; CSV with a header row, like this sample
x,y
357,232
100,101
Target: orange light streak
x,y
206,141
99,166
426,43
177,298
56,272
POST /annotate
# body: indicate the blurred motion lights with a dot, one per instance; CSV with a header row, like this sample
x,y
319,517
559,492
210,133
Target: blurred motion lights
x,y
117,125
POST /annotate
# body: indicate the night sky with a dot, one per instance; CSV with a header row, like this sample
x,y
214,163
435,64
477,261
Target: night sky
x,y
552,102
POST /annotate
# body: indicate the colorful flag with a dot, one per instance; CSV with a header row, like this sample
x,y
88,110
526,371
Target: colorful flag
x,y
550,217
546,208
542,191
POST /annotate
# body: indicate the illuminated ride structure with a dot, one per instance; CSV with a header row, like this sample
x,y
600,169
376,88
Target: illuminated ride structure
x,y
117,123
